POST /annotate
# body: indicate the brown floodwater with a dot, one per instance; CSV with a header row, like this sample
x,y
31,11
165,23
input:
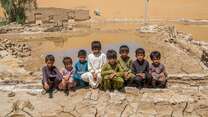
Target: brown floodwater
x,y
162,9
111,37
199,32
158,9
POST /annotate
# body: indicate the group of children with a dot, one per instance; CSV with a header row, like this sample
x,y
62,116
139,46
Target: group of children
x,y
105,71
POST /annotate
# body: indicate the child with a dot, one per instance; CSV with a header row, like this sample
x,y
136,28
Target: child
x,y
125,62
95,62
140,68
81,68
157,71
67,73
51,76
112,73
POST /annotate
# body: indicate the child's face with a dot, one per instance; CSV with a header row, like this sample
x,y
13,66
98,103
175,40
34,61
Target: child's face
x,y
50,63
156,61
124,54
82,58
68,66
140,57
112,61
96,51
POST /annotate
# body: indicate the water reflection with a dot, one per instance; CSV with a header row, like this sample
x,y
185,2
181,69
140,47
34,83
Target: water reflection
x,y
73,52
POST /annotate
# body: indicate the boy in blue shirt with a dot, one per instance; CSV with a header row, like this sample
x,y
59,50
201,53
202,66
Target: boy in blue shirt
x,y
80,68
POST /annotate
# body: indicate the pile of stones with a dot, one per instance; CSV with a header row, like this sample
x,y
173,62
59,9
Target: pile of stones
x,y
8,47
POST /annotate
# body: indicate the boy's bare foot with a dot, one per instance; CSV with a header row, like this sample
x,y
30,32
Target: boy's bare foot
x,y
73,89
94,95
66,92
55,90
50,92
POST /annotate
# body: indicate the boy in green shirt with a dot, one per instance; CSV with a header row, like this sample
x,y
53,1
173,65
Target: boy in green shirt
x,y
112,73
125,62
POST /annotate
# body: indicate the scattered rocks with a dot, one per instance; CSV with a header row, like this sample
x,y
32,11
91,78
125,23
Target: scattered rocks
x,y
8,47
149,29
54,29
11,94
204,57
12,27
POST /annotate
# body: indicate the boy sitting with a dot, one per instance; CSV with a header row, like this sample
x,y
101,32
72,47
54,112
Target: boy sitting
x,y
140,68
67,73
157,71
125,62
51,76
80,67
112,73
95,62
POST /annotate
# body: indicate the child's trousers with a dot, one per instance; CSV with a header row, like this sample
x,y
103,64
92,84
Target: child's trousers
x,y
115,83
88,77
159,83
79,81
136,82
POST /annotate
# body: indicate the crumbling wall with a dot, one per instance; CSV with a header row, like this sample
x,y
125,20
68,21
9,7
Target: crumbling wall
x,y
59,14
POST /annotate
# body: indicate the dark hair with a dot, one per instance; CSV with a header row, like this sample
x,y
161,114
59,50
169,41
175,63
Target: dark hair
x,y
111,54
96,45
155,54
49,57
67,60
123,48
82,53
140,51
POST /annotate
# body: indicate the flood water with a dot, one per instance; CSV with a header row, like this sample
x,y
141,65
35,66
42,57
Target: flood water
x,y
112,36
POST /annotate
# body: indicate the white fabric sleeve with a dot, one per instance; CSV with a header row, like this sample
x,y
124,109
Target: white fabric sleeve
x,y
90,67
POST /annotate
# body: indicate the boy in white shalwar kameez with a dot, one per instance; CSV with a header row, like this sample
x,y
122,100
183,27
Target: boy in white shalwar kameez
x,y
95,62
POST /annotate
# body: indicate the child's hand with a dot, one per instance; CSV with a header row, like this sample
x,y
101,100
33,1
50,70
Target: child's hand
x,y
66,78
94,76
162,77
126,75
142,75
112,75
46,86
